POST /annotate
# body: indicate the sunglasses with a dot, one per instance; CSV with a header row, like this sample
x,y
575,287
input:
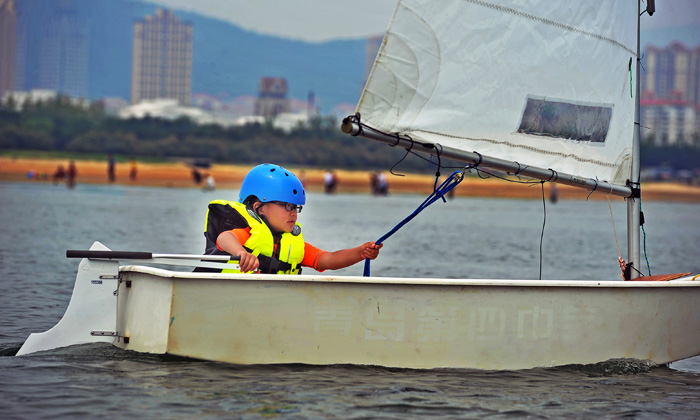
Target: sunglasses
x,y
288,206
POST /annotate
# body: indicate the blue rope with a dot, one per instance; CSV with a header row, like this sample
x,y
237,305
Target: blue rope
x,y
437,194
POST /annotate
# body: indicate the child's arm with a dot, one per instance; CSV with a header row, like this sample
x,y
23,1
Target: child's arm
x,y
228,242
347,257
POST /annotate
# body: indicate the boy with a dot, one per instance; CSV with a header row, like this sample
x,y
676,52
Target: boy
x,y
264,224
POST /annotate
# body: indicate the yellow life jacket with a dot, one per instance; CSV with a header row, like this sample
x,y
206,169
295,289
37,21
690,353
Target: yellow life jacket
x,y
261,242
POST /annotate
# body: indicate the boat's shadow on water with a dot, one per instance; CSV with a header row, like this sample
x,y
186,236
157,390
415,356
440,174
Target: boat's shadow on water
x,y
9,349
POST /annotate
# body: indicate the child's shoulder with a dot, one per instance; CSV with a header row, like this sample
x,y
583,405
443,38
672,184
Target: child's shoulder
x,y
222,216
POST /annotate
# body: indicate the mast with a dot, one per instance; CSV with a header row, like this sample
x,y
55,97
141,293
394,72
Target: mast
x,y
633,204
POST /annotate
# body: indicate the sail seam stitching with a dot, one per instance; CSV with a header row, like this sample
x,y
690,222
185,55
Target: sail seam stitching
x,y
554,23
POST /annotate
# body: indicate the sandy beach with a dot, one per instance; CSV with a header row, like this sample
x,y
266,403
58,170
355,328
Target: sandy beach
x,y
179,175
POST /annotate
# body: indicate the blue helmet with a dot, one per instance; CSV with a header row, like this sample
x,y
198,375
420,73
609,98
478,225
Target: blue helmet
x,y
271,182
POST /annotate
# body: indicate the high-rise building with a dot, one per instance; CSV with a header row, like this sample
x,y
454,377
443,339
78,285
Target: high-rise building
x,y
669,122
162,59
672,73
670,105
272,97
8,25
64,52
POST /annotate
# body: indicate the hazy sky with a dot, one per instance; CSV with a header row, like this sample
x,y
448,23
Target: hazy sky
x,y
322,20
309,20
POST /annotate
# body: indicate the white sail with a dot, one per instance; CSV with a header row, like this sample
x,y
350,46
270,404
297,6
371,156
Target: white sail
x,y
531,81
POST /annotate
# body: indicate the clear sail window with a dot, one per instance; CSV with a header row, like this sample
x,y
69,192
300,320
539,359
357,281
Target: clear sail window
x,y
567,120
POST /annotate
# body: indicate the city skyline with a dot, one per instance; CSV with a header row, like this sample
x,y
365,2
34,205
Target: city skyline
x,y
227,62
299,89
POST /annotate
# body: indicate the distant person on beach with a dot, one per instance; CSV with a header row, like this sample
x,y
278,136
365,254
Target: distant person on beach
x,y
111,169
72,174
262,227
379,184
330,182
59,175
196,176
133,169
554,194
210,184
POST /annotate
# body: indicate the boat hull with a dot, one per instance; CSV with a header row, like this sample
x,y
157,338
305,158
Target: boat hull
x,y
407,323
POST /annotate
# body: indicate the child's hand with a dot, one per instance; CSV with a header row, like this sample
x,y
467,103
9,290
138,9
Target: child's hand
x,y
248,262
370,250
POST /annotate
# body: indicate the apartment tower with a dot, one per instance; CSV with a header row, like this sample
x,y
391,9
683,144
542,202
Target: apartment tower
x,y
272,97
670,102
672,73
8,25
162,59
64,52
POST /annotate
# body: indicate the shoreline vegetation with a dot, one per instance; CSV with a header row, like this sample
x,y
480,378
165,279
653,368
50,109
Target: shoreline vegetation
x,y
179,174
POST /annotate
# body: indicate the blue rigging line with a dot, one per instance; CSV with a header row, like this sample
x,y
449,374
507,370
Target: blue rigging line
x,y
437,194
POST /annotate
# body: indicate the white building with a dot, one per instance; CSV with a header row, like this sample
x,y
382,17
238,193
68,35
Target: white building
x,y
670,122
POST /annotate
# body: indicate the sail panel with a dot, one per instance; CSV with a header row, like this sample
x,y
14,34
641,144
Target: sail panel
x,y
530,81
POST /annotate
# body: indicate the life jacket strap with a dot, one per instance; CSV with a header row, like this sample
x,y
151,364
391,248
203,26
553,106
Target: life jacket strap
x,y
273,265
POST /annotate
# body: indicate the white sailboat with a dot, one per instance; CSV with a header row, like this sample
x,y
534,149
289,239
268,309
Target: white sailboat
x,y
533,89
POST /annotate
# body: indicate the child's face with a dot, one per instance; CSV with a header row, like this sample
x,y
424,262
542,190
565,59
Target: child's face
x,y
279,218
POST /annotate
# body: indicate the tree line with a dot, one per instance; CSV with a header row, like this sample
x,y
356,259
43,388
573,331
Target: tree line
x,y
61,125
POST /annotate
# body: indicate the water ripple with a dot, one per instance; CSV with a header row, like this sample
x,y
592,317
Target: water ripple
x,y
461,238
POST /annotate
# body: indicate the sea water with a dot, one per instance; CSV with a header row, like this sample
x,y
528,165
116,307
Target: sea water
x,y
459,238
